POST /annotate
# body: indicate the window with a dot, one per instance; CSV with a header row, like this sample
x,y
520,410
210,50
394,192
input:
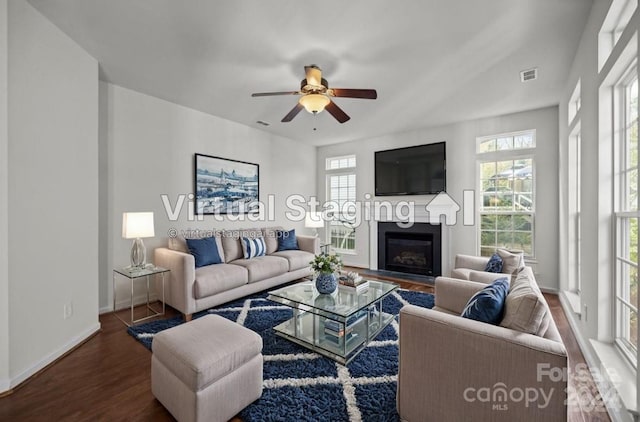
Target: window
x,y
574,103
627,215
506,180
507,142
623,16
574,160
341,190
614,24
345,162
575,140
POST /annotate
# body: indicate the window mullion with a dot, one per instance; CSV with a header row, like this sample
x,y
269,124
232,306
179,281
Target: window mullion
x,y
626,261
627,303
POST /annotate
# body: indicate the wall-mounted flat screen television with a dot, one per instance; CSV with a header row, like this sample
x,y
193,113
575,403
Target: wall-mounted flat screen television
x,y
418,170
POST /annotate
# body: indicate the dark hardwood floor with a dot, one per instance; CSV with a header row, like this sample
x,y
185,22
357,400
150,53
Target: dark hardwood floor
x,y
108,378
589,407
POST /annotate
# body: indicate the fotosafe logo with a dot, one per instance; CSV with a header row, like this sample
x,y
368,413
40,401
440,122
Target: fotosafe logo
x,y
581,388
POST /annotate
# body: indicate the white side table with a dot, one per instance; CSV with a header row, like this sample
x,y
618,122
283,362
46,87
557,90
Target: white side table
x,y
134,274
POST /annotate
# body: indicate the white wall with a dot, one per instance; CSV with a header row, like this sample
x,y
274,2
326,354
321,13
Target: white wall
x,y
585,69
150,145
53,183
4,201
593,319
461,175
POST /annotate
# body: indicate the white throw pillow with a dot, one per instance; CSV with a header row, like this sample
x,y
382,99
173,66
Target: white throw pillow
x,y
253,247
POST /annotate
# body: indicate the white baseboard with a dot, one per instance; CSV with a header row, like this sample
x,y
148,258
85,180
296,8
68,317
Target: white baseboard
x,y
125,303
548,290
5,385
51,357
573,300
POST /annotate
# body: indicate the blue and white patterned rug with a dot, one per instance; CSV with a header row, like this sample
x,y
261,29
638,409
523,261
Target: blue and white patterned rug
x,y
303,386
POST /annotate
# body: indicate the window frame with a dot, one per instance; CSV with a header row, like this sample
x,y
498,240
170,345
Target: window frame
x,y
622,20
575,102
615,22
622,304
329,160
622,218
333,172
575,206
513,154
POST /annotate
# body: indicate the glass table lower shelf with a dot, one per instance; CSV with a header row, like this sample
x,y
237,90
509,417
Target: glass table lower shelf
x,y
338,328
310,334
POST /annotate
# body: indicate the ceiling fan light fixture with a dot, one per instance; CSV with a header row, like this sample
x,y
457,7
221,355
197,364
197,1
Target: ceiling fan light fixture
x,y
316,96
314,103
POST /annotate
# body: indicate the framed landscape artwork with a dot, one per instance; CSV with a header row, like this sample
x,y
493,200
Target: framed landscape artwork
x,y
224,186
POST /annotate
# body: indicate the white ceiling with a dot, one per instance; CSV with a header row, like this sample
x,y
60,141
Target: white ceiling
x,y
431,61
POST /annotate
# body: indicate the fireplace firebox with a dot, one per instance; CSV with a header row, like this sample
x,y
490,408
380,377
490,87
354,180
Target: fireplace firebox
x,y
413,250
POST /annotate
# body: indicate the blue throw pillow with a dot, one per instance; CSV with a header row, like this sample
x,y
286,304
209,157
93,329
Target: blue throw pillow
x,y
205,251
495,264
253,247
488,304
287,240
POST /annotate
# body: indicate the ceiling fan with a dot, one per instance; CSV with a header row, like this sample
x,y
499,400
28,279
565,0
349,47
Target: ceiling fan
x,y
316,95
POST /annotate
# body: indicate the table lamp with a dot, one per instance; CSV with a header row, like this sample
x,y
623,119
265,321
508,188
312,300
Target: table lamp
x,y
136,225
313,220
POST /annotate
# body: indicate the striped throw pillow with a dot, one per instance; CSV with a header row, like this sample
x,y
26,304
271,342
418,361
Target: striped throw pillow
x,y
253,247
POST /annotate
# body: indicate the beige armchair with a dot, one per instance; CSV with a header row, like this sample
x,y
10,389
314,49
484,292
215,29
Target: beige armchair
x,y
469,267
454,369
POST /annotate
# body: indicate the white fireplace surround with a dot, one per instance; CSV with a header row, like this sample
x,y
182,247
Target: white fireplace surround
x,y
421,215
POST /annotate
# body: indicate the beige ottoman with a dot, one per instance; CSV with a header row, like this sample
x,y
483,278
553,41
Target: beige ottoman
x,y
208,369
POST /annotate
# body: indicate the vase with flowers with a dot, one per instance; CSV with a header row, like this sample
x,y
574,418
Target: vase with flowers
x,y
326,266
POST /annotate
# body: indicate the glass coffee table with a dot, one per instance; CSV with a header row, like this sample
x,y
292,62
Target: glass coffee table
x,y
338,326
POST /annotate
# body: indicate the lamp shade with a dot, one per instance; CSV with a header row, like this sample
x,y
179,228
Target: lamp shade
x,y
314,103
313,220
137,225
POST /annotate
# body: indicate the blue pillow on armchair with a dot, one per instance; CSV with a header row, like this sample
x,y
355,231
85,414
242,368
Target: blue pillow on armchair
x,y
495,264
488,304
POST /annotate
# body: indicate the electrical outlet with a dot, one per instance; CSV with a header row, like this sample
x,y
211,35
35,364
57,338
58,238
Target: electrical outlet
x,y
68,310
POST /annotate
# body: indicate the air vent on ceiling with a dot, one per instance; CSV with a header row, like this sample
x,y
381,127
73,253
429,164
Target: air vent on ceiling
x,y
529,75
263,123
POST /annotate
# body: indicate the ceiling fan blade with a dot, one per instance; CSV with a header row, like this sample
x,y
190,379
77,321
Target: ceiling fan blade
x,y
337,112
293,113
268,94
313,74
369,94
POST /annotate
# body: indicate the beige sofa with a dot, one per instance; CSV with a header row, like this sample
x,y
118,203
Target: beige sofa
x,y
192,289
455,369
